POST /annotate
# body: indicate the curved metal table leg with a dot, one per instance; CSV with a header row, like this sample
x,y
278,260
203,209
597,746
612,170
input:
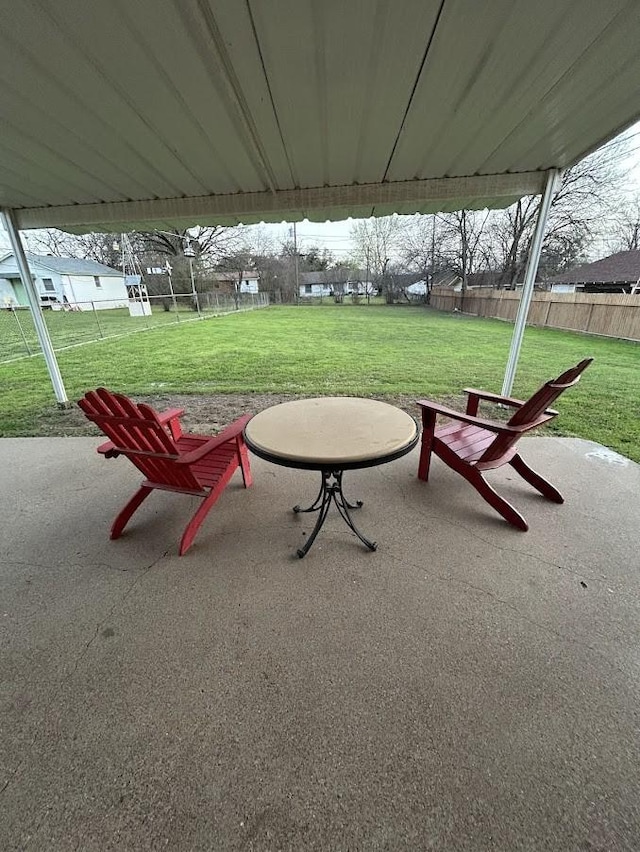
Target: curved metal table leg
x,y
317,503
322,514
343,506
331,489
357,505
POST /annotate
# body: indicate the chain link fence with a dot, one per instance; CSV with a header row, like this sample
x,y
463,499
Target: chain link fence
x,y
87,322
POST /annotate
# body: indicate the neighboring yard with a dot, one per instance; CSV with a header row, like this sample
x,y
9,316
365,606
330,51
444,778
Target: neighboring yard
x,y
69,328
399,353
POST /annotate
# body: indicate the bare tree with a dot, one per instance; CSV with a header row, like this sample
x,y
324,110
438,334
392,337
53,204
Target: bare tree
x,y
98,247
465,239
422,246
587,192
206,242
337,277
590,193
250,250
626,227
376,243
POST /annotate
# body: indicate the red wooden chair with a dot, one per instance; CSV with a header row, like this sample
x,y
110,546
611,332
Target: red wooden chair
x,y
170,460
471,444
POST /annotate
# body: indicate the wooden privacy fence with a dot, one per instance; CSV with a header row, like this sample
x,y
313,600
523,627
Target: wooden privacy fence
x,y
608,314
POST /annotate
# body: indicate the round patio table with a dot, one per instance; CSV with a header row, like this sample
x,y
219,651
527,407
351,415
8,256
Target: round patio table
x,y
331,435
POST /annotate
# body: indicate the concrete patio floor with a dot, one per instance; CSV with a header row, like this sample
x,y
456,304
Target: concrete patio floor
x,y
466,687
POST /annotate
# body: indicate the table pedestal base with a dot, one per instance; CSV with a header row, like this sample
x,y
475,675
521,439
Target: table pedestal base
x,y
331,489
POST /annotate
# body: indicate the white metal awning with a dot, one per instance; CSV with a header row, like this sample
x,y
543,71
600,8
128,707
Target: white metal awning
x,y
160,113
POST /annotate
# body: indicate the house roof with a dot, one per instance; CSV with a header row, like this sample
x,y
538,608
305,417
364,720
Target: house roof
x,y
68,265
327,277
232,276
486,278
317,277
405,279
170,113
620,268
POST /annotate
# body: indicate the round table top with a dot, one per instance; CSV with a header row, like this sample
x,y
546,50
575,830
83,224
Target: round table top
x,y
338,432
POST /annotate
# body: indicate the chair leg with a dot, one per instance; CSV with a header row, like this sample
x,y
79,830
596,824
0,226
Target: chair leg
x,y
123,517
194,524
243,454
508,512
428,428
545,488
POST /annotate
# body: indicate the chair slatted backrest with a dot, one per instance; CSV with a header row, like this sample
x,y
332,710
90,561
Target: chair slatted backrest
x,y
531,414
136,432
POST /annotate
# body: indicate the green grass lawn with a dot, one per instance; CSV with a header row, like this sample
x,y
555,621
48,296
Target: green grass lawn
x,y
343,349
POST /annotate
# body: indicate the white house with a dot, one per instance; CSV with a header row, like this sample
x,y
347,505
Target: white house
x,y
249,283
63,282
360,288
332,281
417,291
314,285
561,288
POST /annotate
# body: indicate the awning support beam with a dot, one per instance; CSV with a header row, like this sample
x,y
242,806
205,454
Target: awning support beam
x,y
42,331
433,194
551,187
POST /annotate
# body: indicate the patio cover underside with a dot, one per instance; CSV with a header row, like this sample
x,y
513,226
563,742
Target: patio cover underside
x,y
162,113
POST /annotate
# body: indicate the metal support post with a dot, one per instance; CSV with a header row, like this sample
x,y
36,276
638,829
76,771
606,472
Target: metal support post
x,y
24,336
173,297
42,331
194,292
297,266
95,316
533,260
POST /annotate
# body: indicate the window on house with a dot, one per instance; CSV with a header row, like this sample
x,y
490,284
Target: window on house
x,y
96,279
307,288
48,284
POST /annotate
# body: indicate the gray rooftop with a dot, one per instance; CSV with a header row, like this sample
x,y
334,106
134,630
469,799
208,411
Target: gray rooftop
x,y
467,687
65,265
620,268
73,265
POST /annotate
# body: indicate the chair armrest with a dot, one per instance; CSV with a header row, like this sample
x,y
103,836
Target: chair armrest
x,y
228,434
494,397
504,400
491,425
171,418
108,449
170,414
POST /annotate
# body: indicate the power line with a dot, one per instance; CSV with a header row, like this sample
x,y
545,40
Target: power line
x,y
620,156
619,140
325,236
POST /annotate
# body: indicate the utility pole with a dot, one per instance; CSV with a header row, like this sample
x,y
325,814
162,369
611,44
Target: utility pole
x,y
433,257
188,251
168,270
367,282
295,253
